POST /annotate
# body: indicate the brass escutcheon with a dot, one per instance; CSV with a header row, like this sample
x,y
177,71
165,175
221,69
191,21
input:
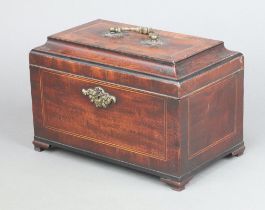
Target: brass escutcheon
x,y
99,97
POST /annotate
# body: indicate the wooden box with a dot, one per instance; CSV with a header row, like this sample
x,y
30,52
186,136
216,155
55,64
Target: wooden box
x,y
163,103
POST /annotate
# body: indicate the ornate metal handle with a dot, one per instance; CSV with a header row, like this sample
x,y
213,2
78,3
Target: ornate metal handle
x,y
99,97
142,30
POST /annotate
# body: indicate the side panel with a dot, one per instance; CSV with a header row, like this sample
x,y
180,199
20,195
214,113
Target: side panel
x,y
211,116
213,121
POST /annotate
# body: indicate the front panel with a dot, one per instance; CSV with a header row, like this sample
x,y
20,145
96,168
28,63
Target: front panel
x,y
139,129
135,123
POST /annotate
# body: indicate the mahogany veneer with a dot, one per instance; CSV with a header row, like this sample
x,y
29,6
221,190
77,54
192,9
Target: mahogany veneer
x,y
176,106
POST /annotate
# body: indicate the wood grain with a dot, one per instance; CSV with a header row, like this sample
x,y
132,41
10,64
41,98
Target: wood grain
x,y
179,106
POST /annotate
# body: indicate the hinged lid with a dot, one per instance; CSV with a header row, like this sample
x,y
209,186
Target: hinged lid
x,y
173,56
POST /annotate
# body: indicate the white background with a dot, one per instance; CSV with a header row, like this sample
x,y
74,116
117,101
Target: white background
x,y
62,180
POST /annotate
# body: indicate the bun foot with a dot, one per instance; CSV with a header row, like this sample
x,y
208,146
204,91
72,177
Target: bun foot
x,y
238,152
40,146
176,185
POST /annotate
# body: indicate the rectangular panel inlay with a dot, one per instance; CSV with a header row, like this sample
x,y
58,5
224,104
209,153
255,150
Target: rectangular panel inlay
x,y
130,124
214,105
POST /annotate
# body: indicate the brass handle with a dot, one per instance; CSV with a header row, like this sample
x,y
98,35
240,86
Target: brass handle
x,y
99,97
142,30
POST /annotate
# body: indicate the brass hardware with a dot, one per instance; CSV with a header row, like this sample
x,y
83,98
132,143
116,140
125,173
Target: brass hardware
x,y
142,30
99,97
